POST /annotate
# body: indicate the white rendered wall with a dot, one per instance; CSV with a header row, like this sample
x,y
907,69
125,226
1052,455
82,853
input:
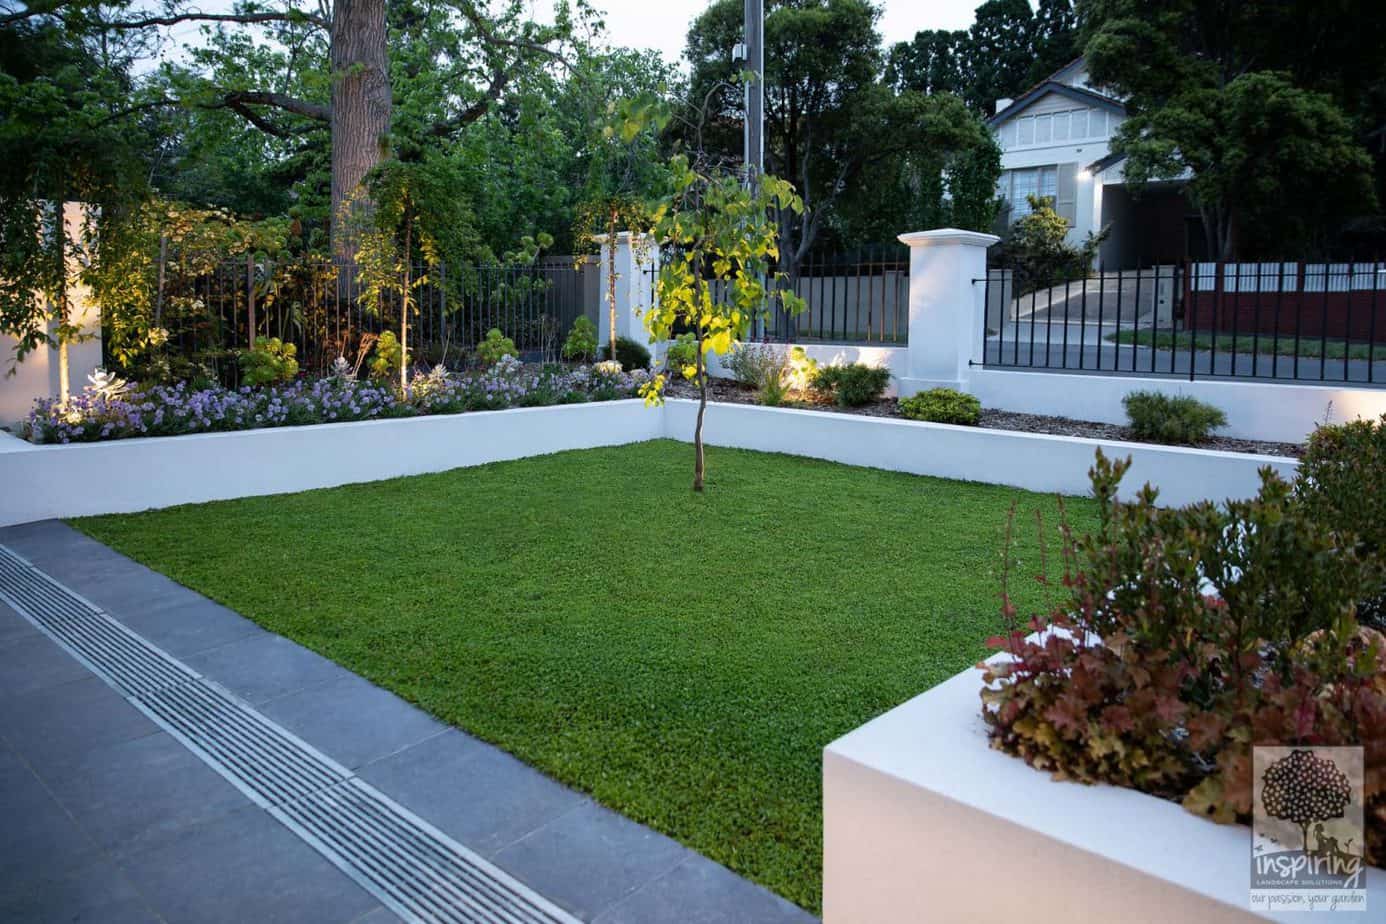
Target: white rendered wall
x,y
1057,464
924,822
122,476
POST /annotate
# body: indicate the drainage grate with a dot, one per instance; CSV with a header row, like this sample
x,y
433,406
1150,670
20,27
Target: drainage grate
x,y
417,871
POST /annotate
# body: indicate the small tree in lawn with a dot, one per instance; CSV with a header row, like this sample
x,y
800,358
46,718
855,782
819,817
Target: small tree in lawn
x,y
716,278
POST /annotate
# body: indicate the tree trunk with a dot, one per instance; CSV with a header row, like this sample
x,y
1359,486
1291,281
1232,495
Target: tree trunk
x,y
360,107
699,460
611,278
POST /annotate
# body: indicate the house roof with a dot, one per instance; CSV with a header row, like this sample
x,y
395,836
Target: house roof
x,y
1044,88
1102,163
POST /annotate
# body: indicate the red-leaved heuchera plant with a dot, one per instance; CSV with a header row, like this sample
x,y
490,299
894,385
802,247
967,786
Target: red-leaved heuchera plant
x,y
1190,635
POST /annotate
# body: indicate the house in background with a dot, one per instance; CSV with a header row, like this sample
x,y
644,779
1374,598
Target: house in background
x,y
1055,142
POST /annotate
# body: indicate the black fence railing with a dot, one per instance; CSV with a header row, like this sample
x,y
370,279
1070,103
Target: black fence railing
x,y
862,297
329,310
1323,322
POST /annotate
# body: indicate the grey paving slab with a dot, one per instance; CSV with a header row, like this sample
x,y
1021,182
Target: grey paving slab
x,y
699,891
62,729
59,549
473,792
265,667
155,789
590,858
185,628
40,844
13,625
31,663
353,720
97,893
244,867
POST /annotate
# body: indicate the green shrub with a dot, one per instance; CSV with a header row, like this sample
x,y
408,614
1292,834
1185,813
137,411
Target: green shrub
x,y
752,364
270,361
581,344
386,358
1162,418
496,345
682,356
943,405
1343,484
852,385
629,354
1187,636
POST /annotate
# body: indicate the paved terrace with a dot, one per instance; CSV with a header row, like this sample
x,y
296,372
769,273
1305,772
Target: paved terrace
x,y
110,817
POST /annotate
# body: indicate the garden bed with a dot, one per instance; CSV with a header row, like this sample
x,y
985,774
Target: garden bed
x,y
732,392
684,658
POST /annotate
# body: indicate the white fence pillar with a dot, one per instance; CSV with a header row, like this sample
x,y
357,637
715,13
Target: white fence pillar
x,y
637,265
947,310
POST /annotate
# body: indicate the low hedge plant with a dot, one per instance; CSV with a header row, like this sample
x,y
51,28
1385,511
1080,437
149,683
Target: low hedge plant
x,y
943,405
1190,635
851,384
1179,419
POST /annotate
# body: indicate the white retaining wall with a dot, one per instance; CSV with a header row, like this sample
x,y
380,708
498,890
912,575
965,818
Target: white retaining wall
x,y
1032,461
896,359
1255,410
122,476
923,821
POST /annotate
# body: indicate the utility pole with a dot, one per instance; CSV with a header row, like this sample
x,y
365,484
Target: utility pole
x,y
755,91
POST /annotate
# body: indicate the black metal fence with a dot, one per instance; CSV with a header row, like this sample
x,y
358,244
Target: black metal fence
x,y
328,310
1322,322
861,297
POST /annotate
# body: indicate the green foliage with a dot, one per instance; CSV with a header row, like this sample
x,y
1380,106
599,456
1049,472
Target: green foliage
x,y
496,346
1179,419
629,354
1009,48
385,361
851,384
1190,635
1343,484
943,405
270,361
1249,109
872,159
1037,249
682,356
581,345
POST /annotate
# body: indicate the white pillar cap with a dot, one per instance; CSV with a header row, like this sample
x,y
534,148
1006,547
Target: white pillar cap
x,y
948,236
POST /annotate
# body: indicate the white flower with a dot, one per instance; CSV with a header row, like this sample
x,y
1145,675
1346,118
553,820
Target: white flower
x,y
106,384
607,367
341,369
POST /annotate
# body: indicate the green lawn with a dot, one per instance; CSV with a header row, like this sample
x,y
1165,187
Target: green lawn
x,y
682,658
1309,347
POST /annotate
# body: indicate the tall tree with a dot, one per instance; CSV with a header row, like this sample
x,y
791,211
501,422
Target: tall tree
x,y
1224,93
473,56
830,118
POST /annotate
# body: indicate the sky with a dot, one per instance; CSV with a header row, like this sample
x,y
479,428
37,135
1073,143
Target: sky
x,y
663,24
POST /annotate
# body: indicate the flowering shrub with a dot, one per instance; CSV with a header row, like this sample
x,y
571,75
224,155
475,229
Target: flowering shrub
x,y
101,413
1190,636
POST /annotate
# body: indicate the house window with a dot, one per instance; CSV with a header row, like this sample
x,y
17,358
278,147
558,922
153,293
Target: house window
x,y
1079,122
1044,129
1025,130
1061,126
1018,185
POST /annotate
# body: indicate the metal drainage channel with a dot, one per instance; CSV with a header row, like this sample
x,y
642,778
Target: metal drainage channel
x,y
414,869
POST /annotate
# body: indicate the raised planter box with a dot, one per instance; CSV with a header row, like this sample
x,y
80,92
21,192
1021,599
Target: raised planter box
x,y
122,476
923,821
1036,462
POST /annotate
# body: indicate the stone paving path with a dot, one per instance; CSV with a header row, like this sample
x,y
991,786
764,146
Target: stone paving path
x,y
109,818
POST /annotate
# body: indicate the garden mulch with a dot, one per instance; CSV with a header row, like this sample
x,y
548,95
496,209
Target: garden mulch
x,y
731,392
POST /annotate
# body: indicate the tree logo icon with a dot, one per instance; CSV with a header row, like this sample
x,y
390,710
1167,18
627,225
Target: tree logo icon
x,y
1304,788
1307,829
